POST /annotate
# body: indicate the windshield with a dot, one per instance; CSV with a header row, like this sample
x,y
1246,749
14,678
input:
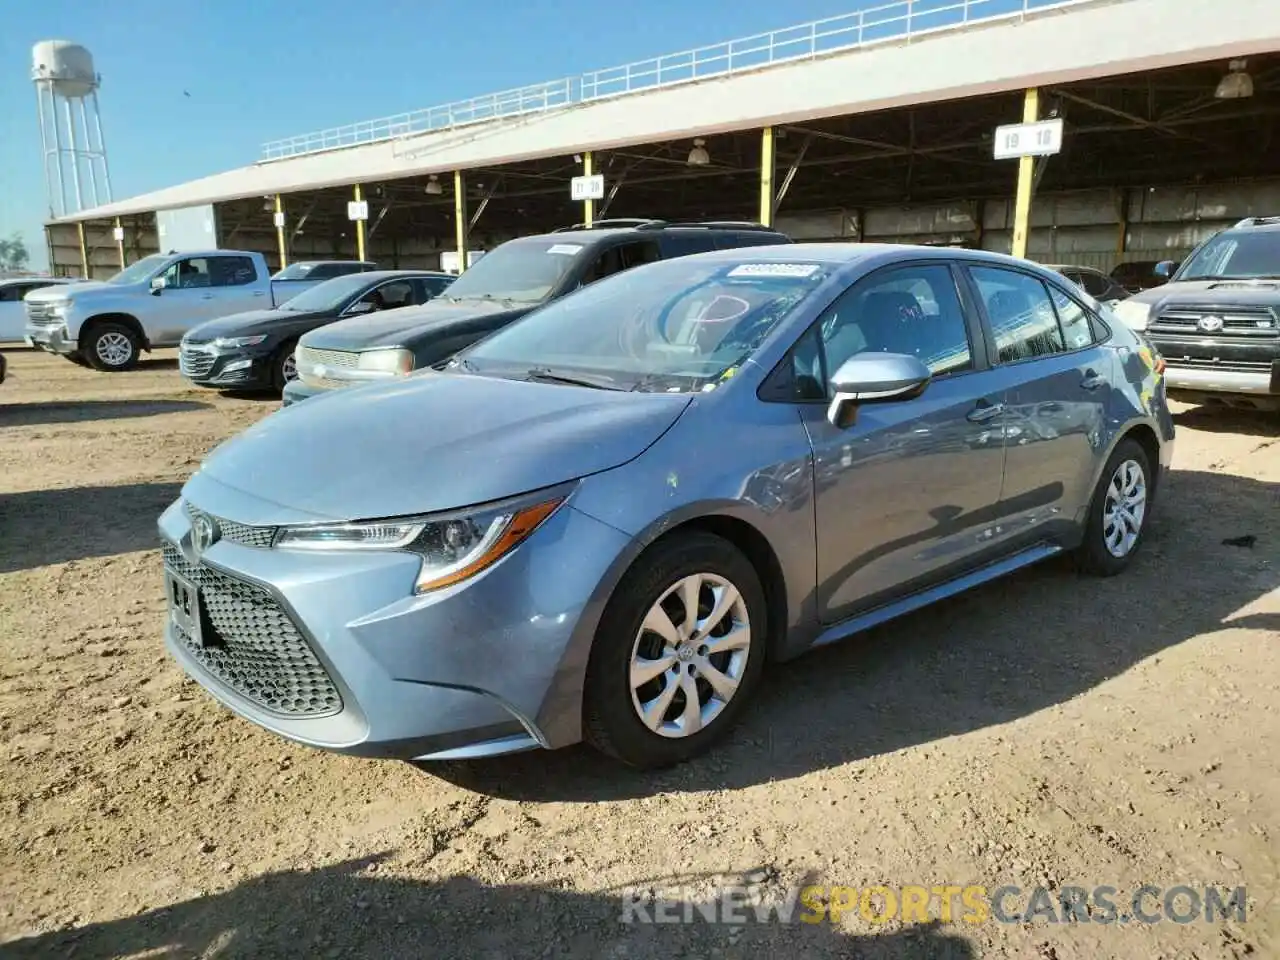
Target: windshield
x,y
672,325
329,294
1243,255
139,271
295,271
524,271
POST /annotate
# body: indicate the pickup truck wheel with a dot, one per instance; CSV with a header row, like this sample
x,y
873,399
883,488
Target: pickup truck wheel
x,y
113,347
284,366
78,359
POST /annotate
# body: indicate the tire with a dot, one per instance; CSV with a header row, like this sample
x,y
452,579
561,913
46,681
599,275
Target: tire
x,y
110,342
611,712
78,359
1102,554
281,364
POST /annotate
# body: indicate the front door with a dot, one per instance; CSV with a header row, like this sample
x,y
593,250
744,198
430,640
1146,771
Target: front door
x,y
1058,384
904,494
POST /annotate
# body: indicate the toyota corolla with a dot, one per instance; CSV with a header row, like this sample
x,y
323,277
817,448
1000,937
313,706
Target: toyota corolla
x,y
606,521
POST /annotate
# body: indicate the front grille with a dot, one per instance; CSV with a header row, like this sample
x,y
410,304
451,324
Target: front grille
x,y
41,314
241,533
194,362
252,646
1253,322
328,358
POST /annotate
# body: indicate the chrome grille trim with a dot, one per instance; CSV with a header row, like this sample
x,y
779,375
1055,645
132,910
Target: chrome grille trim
x,y
329,358
194,362
41,314
254,649
241,533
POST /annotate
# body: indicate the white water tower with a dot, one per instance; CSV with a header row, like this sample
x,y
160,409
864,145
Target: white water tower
x,y
70,126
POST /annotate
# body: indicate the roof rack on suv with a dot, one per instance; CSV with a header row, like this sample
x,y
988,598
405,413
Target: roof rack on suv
x,y
1257,221
640,224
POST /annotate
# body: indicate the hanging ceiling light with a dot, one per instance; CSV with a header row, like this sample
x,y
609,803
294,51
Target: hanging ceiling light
x,y
433,186
698,156
1237,84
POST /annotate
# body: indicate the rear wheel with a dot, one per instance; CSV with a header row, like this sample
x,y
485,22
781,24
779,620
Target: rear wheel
x,y
678,652
113,347
1118,513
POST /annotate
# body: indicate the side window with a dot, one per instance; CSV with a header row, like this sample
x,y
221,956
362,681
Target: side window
x,y
681,243
1073,319
913,310
232,271
1095,284
430,287
390,296
619,258
1021,314
188,274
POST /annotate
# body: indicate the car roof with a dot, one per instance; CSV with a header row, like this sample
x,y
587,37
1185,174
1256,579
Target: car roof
x,y
317,263
392,274
1069,266
589,235
853,252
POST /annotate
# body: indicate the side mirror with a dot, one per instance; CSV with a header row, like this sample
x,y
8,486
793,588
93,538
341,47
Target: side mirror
x,y
1164,269
157,284
359,307
875,378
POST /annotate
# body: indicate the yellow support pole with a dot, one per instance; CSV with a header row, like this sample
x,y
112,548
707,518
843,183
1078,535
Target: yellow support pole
x,y
284,256
359,228
120,242
460,217
1026,179
84,251
588,206
766,177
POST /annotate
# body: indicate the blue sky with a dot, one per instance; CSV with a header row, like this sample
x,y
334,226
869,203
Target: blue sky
x,y
257,70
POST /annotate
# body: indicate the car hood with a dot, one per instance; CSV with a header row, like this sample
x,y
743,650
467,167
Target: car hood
x,y
432,442
396,328
70,291
246,324
1202,292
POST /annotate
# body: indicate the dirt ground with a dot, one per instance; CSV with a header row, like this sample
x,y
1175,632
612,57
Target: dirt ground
x,y
1049,730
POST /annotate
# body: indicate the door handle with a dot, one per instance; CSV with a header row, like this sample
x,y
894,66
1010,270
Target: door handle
x,y
260,293
206,296
1092,380
985,411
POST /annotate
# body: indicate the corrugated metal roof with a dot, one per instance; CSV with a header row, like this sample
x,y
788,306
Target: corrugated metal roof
x,y
1054,45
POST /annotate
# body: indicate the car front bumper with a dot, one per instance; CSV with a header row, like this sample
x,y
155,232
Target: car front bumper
x,y
296,391
362,665
51,339
244,369
1261,381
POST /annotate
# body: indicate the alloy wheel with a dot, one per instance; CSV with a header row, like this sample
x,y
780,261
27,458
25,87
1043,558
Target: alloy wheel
x,y
114,349
1124,509
690,655
289,368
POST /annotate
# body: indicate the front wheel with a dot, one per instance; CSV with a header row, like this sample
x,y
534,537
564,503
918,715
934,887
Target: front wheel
x,y
284,366
1118,512
113,347
678,652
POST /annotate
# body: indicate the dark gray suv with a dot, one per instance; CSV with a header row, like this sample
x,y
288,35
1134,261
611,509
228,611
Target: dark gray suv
x,y
501,287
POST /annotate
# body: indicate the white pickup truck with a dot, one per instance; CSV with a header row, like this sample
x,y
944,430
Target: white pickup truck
x,y
150,304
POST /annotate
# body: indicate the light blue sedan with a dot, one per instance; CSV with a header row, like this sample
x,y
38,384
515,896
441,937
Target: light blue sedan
x,y
607,520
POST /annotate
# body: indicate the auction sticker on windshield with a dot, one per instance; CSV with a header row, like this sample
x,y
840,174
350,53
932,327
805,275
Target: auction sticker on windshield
x,y
566,249
774,270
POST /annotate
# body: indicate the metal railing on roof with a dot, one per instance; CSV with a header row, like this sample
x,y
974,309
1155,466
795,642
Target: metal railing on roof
x,y
891,22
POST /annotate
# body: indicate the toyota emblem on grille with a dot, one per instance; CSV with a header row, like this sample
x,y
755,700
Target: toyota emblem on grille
x,y
204,533
1210,324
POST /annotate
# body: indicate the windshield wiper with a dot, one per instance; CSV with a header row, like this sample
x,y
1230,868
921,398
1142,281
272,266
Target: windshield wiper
x,y
546,375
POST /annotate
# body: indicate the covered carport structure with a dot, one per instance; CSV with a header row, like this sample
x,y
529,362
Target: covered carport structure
x,y
847,130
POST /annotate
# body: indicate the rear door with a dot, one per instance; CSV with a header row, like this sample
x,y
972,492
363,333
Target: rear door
x,y
618,257
1058,384
235,284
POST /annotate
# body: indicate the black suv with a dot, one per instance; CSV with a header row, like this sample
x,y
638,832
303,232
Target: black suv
x,y
1217,321
499,288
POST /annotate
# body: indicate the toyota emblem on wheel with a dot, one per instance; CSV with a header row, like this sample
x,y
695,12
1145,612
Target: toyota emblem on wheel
x,y
204,534
1210,324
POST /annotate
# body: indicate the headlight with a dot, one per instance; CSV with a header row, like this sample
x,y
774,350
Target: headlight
x,y
453,548
397,361
1134,315
225,343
